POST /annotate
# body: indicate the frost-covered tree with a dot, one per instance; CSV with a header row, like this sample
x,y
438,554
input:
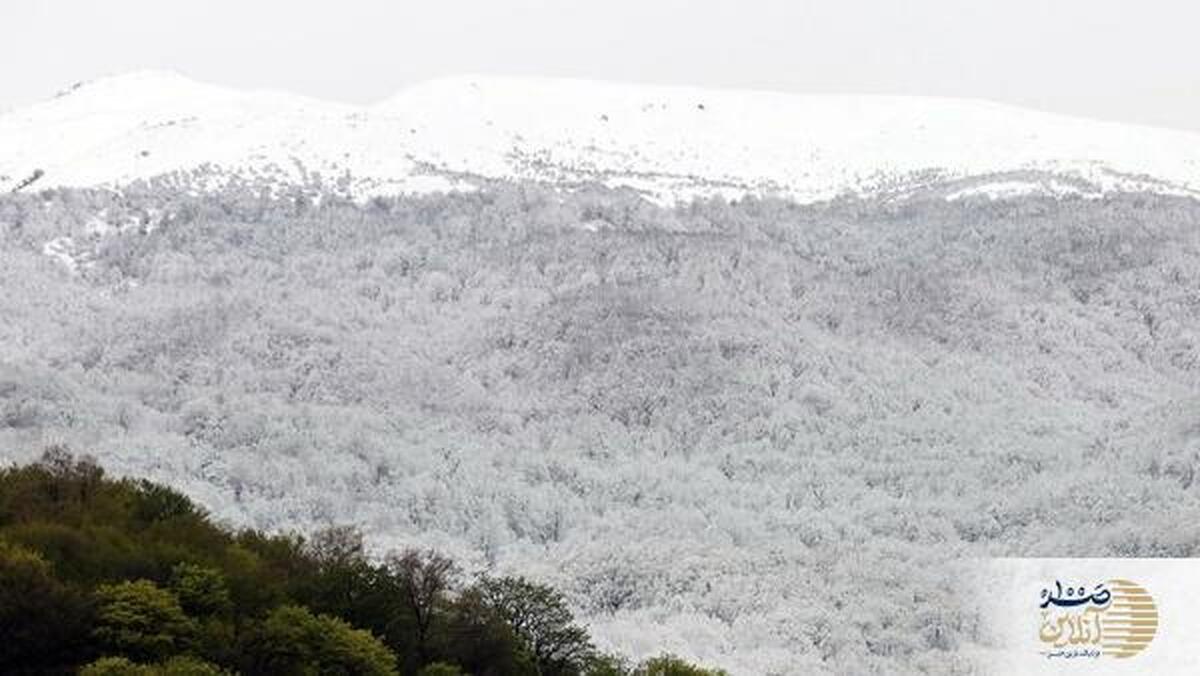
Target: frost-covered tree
x,y
725,418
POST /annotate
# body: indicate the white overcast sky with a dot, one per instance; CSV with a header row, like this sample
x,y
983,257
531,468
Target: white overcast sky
x,y
1125,60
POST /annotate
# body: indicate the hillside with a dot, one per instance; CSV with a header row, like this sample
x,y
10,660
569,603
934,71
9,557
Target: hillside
x,y
668,143
755,434
743,374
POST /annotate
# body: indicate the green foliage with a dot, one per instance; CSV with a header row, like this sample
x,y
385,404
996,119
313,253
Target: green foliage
x,y
294,640
127,577
175,666
540,617
142,621
441,669
670,665
116,666
476,637
156,503
59,486
201,591
182,665
45,622
608,665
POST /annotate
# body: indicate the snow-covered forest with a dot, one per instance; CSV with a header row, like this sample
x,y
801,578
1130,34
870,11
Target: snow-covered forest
x,y
751,433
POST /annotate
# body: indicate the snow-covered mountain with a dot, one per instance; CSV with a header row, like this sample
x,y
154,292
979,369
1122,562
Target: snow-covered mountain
x,y
669,143
760,435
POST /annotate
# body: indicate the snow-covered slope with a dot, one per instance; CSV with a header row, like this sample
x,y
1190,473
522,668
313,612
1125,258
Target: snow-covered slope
x,y
668,142
120,129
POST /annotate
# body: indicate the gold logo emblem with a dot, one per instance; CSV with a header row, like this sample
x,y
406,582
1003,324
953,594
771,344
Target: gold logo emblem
x,y
1117,618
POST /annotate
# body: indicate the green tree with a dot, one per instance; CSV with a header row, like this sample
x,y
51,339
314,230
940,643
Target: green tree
x,y
423,578
476,637
45,623
203,594
670,665
115,666
176,666
58,484
607,665
344,583
540,617
141,621
293,640
201,591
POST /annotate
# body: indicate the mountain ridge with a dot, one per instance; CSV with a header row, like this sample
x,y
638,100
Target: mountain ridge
x,y
670,143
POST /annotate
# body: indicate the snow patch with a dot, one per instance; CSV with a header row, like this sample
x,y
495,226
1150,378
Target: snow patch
x,y
62,250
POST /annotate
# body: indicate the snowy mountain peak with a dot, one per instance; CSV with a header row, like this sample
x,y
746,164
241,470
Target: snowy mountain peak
x,y
135,95
669,142
149,82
